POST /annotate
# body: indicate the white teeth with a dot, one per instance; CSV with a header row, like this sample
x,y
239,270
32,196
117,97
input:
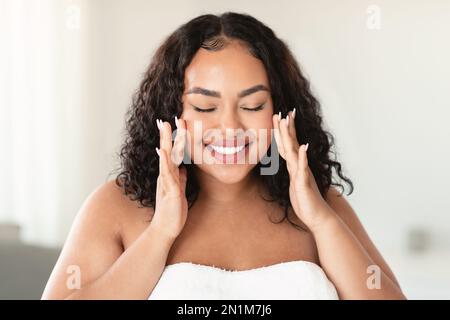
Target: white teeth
x,y
227,150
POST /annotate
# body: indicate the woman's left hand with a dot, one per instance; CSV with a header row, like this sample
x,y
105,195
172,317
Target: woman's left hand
x,y
306,200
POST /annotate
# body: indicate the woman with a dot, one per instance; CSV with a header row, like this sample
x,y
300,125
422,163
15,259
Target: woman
x,y
195,218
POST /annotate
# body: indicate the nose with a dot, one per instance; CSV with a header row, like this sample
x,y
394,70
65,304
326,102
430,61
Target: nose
x,y
229,121
226,127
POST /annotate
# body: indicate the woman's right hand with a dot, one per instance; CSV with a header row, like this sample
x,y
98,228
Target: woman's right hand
x,y
171,204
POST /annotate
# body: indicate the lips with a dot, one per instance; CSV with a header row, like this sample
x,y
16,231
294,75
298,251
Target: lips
x,y
227,147
228,154
227,150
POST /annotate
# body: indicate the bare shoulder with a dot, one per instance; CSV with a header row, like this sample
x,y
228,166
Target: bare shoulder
x,y
341,206
113,196
344,210
130,216
336,199
116,205
102,214
95,239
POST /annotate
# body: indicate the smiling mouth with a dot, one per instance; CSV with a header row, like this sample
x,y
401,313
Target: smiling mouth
x,y
226,150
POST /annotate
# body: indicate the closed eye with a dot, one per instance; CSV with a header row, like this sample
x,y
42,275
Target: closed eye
x,y
260,107
202,110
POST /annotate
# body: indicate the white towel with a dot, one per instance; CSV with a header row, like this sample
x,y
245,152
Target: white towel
x,y
293,280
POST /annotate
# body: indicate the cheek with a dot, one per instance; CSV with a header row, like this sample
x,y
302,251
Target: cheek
x,y
264,140
262,118
263,125
195,140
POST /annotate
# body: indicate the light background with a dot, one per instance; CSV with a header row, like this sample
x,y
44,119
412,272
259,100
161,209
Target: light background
x,y
69,68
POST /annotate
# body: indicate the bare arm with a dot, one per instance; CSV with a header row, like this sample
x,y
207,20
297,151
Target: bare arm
x,y
346,252
94,250
94,246
135,274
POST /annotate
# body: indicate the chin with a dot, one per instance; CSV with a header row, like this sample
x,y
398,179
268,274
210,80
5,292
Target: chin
x,y
227,173
227,162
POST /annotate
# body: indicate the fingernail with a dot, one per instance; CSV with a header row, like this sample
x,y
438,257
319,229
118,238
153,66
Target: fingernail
x,y
306,148
293,113
157,124
279,116
287,120
161,126
157,151
176,121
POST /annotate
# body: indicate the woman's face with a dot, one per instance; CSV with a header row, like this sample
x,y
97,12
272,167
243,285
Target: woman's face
x,y
228,109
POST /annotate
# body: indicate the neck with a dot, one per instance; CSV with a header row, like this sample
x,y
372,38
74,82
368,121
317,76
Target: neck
x,y
227,196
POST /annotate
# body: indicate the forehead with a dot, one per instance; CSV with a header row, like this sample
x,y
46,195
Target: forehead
x,y
230,69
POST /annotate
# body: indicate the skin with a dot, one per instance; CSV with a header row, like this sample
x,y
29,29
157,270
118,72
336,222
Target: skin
x,y
121,255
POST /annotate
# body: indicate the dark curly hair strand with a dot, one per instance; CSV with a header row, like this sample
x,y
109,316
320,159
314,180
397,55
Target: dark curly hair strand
x,y
160,92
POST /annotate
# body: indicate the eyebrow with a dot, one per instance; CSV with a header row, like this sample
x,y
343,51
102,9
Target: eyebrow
x,y
216,94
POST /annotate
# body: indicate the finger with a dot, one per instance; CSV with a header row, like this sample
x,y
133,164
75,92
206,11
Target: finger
x,y
183,179
167,179
288,144
292,129
158,188
179,143
303,158
166,140
276,134
303,168
161,135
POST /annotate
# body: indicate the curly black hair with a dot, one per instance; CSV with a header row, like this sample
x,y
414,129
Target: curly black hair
x,y
160,92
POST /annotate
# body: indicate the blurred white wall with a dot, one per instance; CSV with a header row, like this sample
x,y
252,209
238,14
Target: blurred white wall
x,y
379,68
43,109
383,92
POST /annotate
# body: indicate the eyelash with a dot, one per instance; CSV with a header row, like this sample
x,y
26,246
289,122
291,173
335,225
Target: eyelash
x,y
258,108
203,110
255,109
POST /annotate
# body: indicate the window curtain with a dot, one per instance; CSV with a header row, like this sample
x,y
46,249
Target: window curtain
x,y
42,73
